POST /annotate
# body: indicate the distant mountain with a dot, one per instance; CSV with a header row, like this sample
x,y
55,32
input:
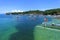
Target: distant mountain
x,y
46,12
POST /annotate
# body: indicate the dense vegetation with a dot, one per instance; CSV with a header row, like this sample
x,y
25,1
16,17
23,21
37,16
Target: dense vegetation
x,y
46,12
52,12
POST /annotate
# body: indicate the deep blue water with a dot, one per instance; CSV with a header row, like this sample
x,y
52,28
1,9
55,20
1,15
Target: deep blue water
x,y
24,24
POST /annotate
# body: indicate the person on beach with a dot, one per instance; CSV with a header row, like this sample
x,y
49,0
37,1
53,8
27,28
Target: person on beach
x,y
45,21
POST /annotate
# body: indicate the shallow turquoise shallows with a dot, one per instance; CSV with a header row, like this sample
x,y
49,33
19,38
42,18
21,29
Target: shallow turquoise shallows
x,y
19,27
45,33
7,28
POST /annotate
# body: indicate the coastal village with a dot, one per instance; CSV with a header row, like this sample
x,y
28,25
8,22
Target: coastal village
x,y
46,12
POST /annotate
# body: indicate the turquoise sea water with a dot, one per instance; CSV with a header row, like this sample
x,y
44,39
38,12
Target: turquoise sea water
x,y
19,27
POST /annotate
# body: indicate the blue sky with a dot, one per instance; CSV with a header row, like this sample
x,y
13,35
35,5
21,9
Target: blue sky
x,y
24,5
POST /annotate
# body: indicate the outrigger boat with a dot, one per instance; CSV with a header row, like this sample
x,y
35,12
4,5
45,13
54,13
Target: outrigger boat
x,y
51,23
47,30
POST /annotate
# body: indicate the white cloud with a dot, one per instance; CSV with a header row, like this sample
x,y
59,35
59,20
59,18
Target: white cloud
x,y
6,11
16,10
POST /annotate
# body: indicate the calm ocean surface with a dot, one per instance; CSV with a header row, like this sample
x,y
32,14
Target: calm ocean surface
x,y
19,27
